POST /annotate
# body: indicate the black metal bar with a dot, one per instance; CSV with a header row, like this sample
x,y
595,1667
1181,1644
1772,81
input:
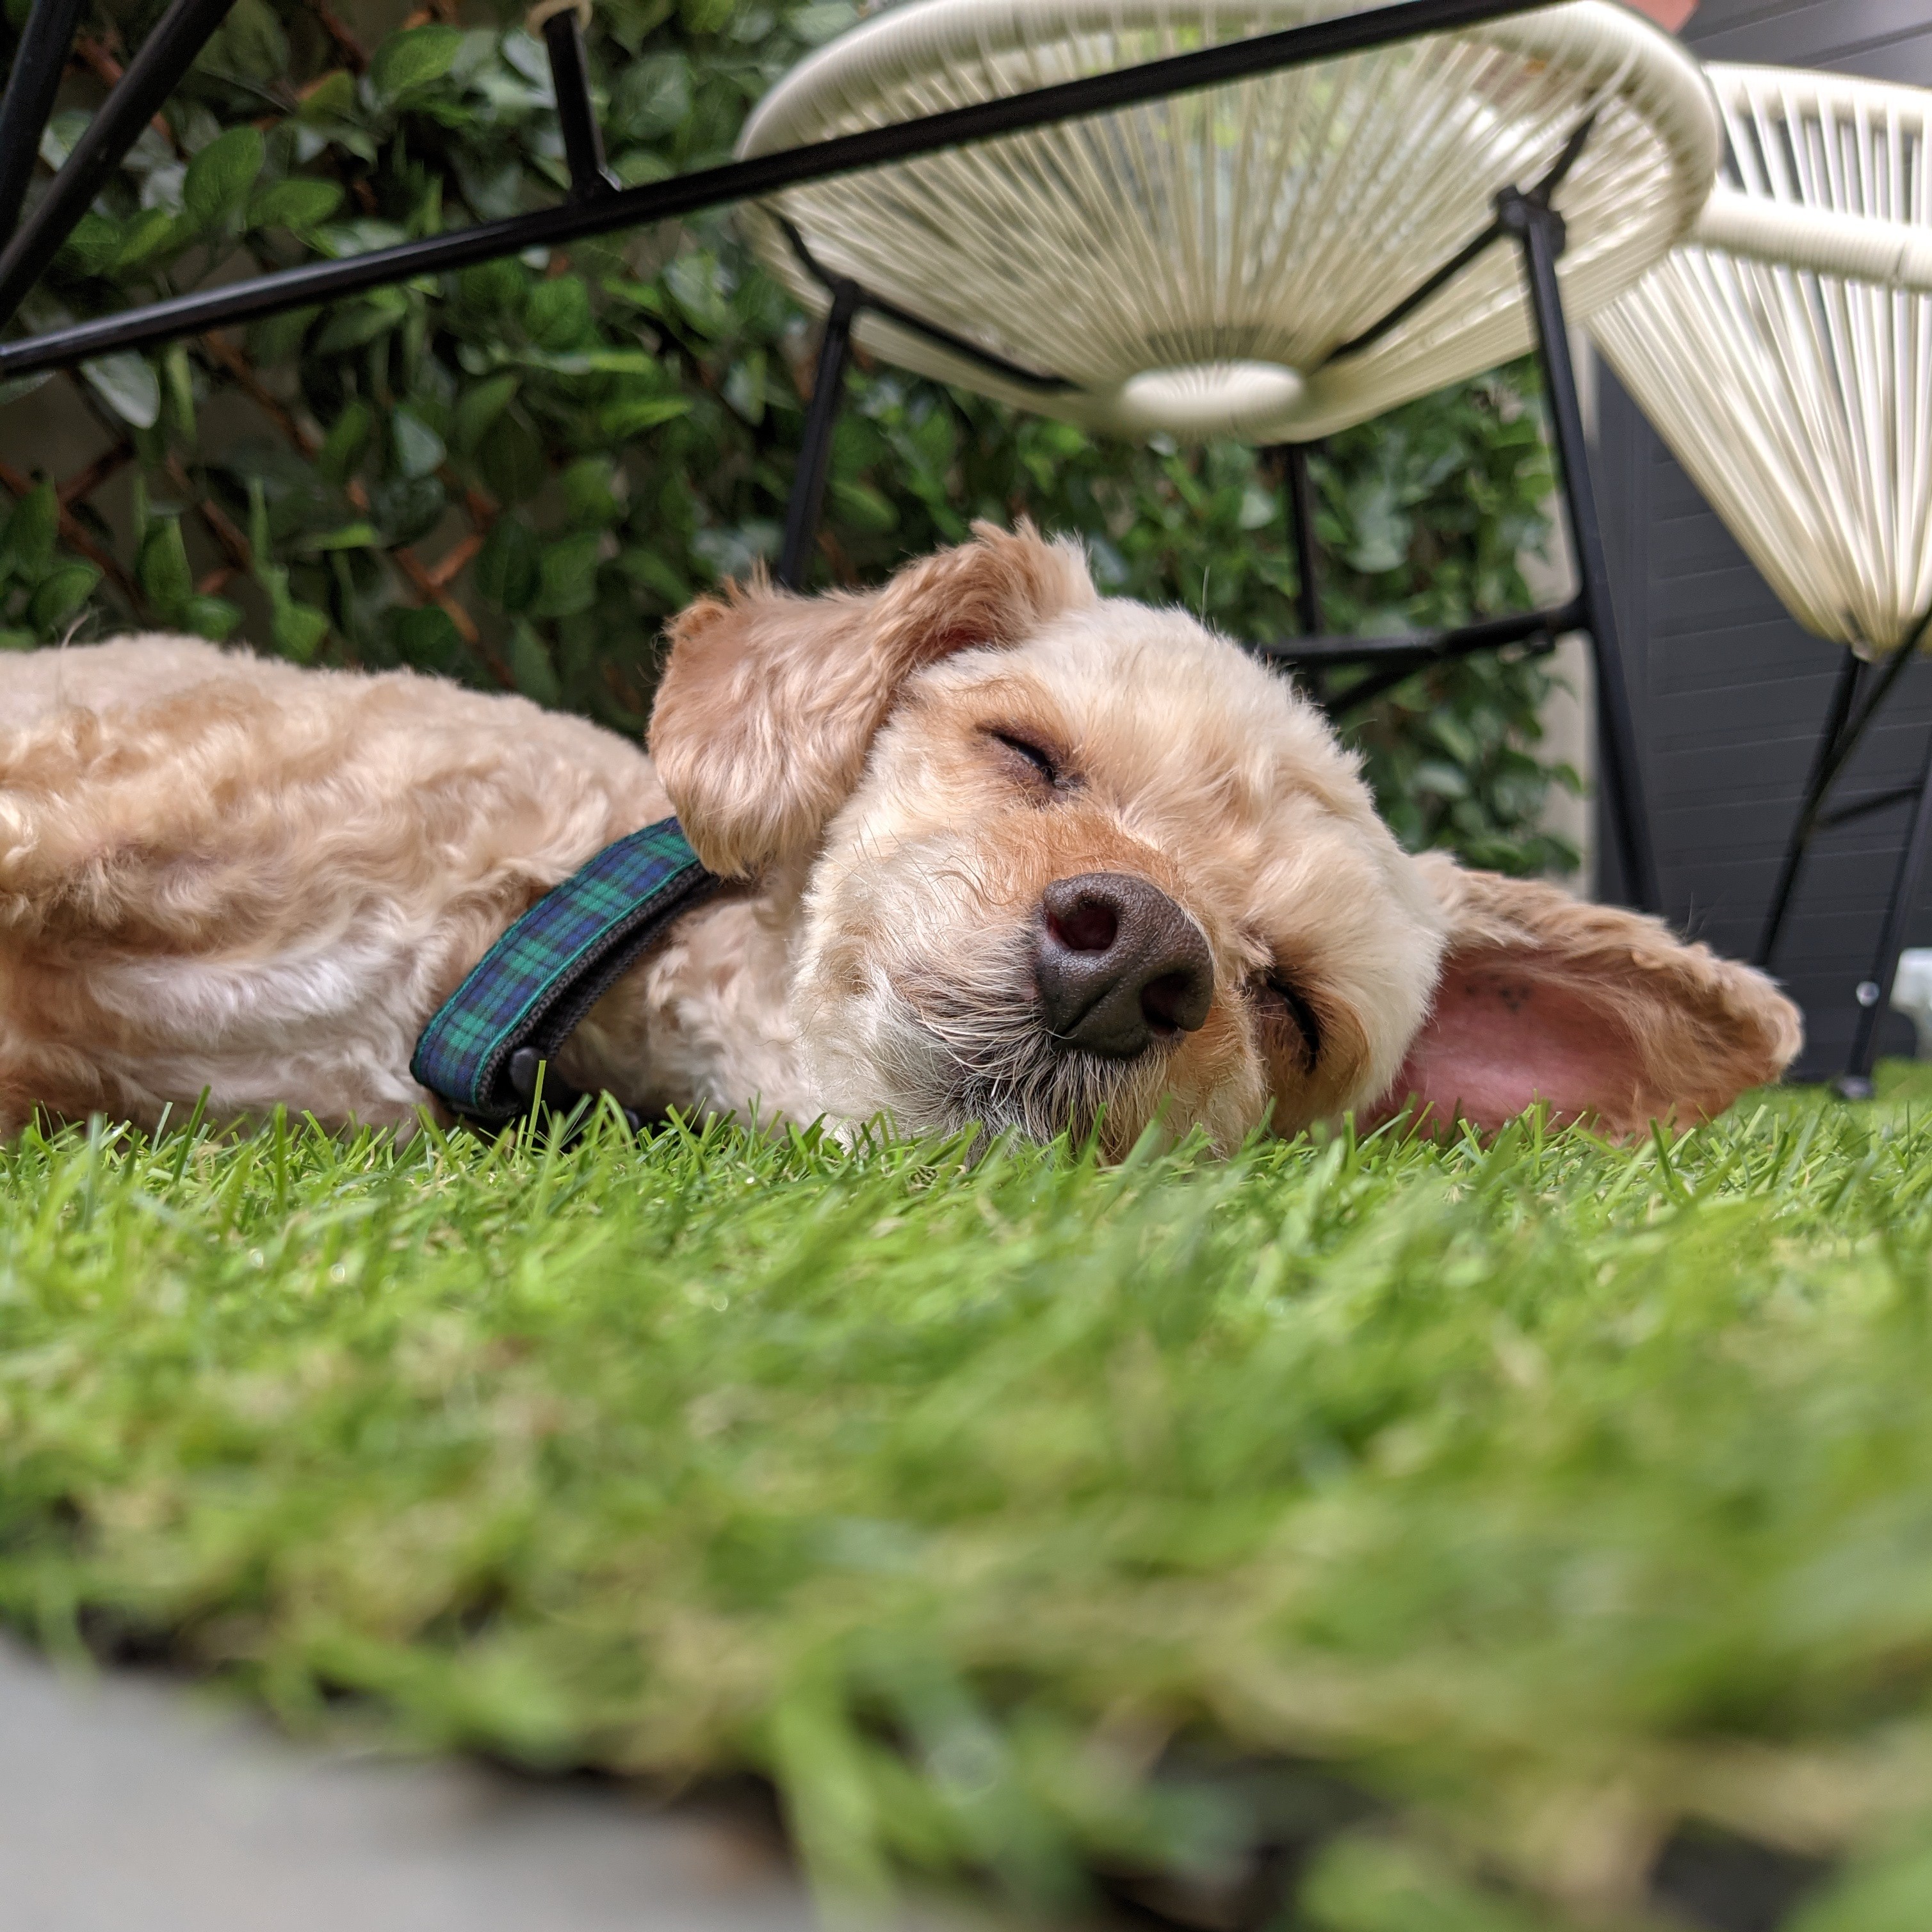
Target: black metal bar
x,y
1854,732
166,55
1856,1083
570,77
1844,733
1865,808
1338,703
1825,760
814,450
1486,634
954,345
31,87
1416,296
1539,229
316,282
1300,492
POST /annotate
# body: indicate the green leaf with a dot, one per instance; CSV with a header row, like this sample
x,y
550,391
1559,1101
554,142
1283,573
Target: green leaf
x,y
127,383
249,44
27,549
869,508
511,460
295,203
163,570
589,491
95,244
348,437
214,618
427,638
568,573
331,98
419,450
144,236
557,312
509,564
651,98
478,407
351,324
407,508
297,629
620,421
530,665
220,177
350,536
491,287
416,58
60,595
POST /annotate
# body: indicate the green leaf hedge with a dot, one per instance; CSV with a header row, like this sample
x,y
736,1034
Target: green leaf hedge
x,y
513,475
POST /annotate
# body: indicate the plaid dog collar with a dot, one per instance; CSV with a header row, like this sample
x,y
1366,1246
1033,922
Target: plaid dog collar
x,y
522,997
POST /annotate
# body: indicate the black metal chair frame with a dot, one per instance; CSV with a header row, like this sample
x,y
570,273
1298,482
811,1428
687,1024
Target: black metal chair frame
x,y
595,205
1857,698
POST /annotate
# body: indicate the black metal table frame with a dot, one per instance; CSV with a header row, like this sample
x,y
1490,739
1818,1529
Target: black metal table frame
x,y
1857,697
595,205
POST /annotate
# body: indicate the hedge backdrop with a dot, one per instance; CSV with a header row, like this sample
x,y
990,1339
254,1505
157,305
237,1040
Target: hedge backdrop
x,y
513,475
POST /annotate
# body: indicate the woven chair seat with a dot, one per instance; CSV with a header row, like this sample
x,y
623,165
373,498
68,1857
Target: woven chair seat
x,y
1784,352
1205,265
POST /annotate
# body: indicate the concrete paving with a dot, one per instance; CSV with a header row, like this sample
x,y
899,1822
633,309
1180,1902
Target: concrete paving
x,y
129,1805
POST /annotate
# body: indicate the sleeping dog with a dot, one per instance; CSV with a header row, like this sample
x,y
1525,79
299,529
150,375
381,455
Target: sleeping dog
x,y
997,850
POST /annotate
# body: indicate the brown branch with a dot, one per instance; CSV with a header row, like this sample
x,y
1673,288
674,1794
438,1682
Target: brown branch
x,y
428,591
337,30
215,581
83,483
450,567
258,392
93,55
483,513
233,545
74,534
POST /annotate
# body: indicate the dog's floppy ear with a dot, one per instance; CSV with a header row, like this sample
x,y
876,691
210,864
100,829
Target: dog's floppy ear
x,y
770,700
1602,1013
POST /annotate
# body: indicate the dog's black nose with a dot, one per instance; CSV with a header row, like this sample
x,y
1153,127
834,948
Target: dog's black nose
x,y
1119,964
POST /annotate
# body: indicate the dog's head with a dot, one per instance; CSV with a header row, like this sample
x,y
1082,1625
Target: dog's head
x,y
1066,858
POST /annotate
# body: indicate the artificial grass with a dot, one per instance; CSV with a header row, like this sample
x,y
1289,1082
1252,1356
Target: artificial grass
x,y
1385,1538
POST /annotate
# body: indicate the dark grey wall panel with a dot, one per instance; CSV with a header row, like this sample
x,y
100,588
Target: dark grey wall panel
x,y
1728,692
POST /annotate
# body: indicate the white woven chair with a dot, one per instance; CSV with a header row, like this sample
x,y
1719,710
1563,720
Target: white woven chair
x,y
1784,352
1208,265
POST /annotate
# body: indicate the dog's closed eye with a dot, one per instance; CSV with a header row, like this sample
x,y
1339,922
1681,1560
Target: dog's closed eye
x,y
1284,1001
1035,762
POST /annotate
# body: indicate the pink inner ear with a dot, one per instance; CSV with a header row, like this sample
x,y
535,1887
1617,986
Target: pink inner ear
x,y
1499,1040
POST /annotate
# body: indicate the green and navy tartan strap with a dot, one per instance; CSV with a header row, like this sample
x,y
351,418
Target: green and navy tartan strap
x,y
525,994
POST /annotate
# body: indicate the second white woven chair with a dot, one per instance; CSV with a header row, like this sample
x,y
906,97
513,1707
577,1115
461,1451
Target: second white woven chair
x,y
1785,354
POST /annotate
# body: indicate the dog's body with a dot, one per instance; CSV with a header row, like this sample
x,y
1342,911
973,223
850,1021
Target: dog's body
x,y
1000,852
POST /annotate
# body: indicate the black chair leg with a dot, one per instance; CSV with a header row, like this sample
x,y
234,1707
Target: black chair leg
x,y
1539,229
1826,762
1855,1082
814,452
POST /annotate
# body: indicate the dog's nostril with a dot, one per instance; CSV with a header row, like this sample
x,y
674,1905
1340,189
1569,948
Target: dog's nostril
x,y
1176,1002
1086,925
1117,963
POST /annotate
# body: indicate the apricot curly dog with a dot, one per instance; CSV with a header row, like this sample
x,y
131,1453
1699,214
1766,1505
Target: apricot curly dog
x,y
997,849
